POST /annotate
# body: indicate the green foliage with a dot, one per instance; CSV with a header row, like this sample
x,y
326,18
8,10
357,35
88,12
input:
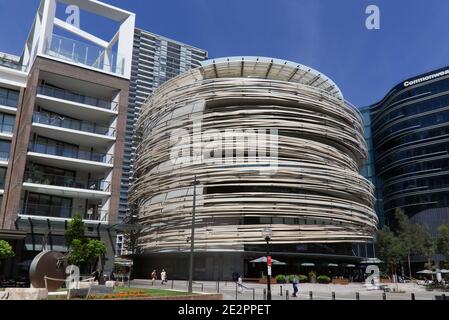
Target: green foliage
x,y
390,249
82,249
323,279
280,278
312,274
302,278
443,241
5,250
94,249
77,255
75,230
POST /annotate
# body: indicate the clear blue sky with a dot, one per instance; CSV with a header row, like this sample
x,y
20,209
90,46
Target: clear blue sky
x,y
327,35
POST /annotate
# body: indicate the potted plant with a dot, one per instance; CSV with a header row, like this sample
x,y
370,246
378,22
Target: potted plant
x,y
312,277
280,278
302,278
323,279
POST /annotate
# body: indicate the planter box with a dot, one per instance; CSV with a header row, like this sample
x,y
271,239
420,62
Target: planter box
x,y
340,281
264,281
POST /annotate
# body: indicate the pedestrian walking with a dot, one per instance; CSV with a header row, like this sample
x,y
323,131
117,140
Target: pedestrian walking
x,y
240,284
163,276
295,286
153,277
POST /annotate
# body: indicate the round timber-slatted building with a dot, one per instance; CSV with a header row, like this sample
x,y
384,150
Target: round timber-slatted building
x,y
272,144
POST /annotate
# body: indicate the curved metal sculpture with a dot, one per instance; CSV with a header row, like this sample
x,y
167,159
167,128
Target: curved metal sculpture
x,y
315,194
51,264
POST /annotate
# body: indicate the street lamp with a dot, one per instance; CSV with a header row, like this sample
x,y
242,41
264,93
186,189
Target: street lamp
x,y
192,237
267,233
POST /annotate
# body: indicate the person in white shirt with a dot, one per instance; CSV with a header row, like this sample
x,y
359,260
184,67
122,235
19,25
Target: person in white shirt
x,y
163,276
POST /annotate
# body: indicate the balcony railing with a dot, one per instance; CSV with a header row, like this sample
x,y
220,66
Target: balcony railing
x,y
83,53
85,126
35,209
6,128
75,97
4,156
9,102
8,63
64,181
70,153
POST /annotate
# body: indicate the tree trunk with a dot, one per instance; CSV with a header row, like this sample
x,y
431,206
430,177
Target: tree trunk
x,y
409,267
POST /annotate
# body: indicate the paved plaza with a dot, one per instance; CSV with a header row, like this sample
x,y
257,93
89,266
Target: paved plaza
x,y
319,291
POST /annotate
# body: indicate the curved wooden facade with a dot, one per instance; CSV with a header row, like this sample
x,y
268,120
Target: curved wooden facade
x,y
307,188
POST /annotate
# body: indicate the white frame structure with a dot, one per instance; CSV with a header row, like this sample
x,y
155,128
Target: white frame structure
x,y
41,34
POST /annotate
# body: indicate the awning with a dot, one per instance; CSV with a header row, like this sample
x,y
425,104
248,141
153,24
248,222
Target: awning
x,y
307,264
264,260
123,262
426,272
372,261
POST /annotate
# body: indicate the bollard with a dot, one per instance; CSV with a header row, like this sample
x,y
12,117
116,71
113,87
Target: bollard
x,y
357,296
413,296
254,294
218,286
310,295
333,295
287,297
443,296
172,284
384,296
264,294
280,291
236,290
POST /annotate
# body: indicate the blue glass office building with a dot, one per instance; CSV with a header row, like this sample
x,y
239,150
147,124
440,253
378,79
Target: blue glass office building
x,y
409,135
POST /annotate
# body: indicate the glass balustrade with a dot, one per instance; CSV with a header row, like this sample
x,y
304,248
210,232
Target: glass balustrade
x,y
75,97
56,150
39,177
83,53
43,210
69,123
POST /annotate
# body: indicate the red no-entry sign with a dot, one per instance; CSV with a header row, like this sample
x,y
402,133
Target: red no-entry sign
x,y
269,261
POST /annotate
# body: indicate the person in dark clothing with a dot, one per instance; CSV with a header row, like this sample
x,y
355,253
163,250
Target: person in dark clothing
x,y
295,287
96,275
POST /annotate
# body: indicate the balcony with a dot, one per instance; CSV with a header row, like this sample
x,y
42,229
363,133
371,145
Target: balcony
x,y
40,182
68,123
4,157
55,150
77,98
73,131
41,210
85,54
6,131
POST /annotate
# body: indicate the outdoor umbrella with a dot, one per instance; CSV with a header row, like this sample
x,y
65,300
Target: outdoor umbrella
x,y
372,261
426,272
264,260
350,266
332,265
444,271
307,264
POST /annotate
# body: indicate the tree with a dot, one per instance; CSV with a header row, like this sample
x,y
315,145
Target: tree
x,y
390,249
443,241
93,250
132,235
5,250
75,230
82,250
429,248
413,236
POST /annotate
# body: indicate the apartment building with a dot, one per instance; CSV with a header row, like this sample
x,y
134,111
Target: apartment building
x,y
63,113
156,59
